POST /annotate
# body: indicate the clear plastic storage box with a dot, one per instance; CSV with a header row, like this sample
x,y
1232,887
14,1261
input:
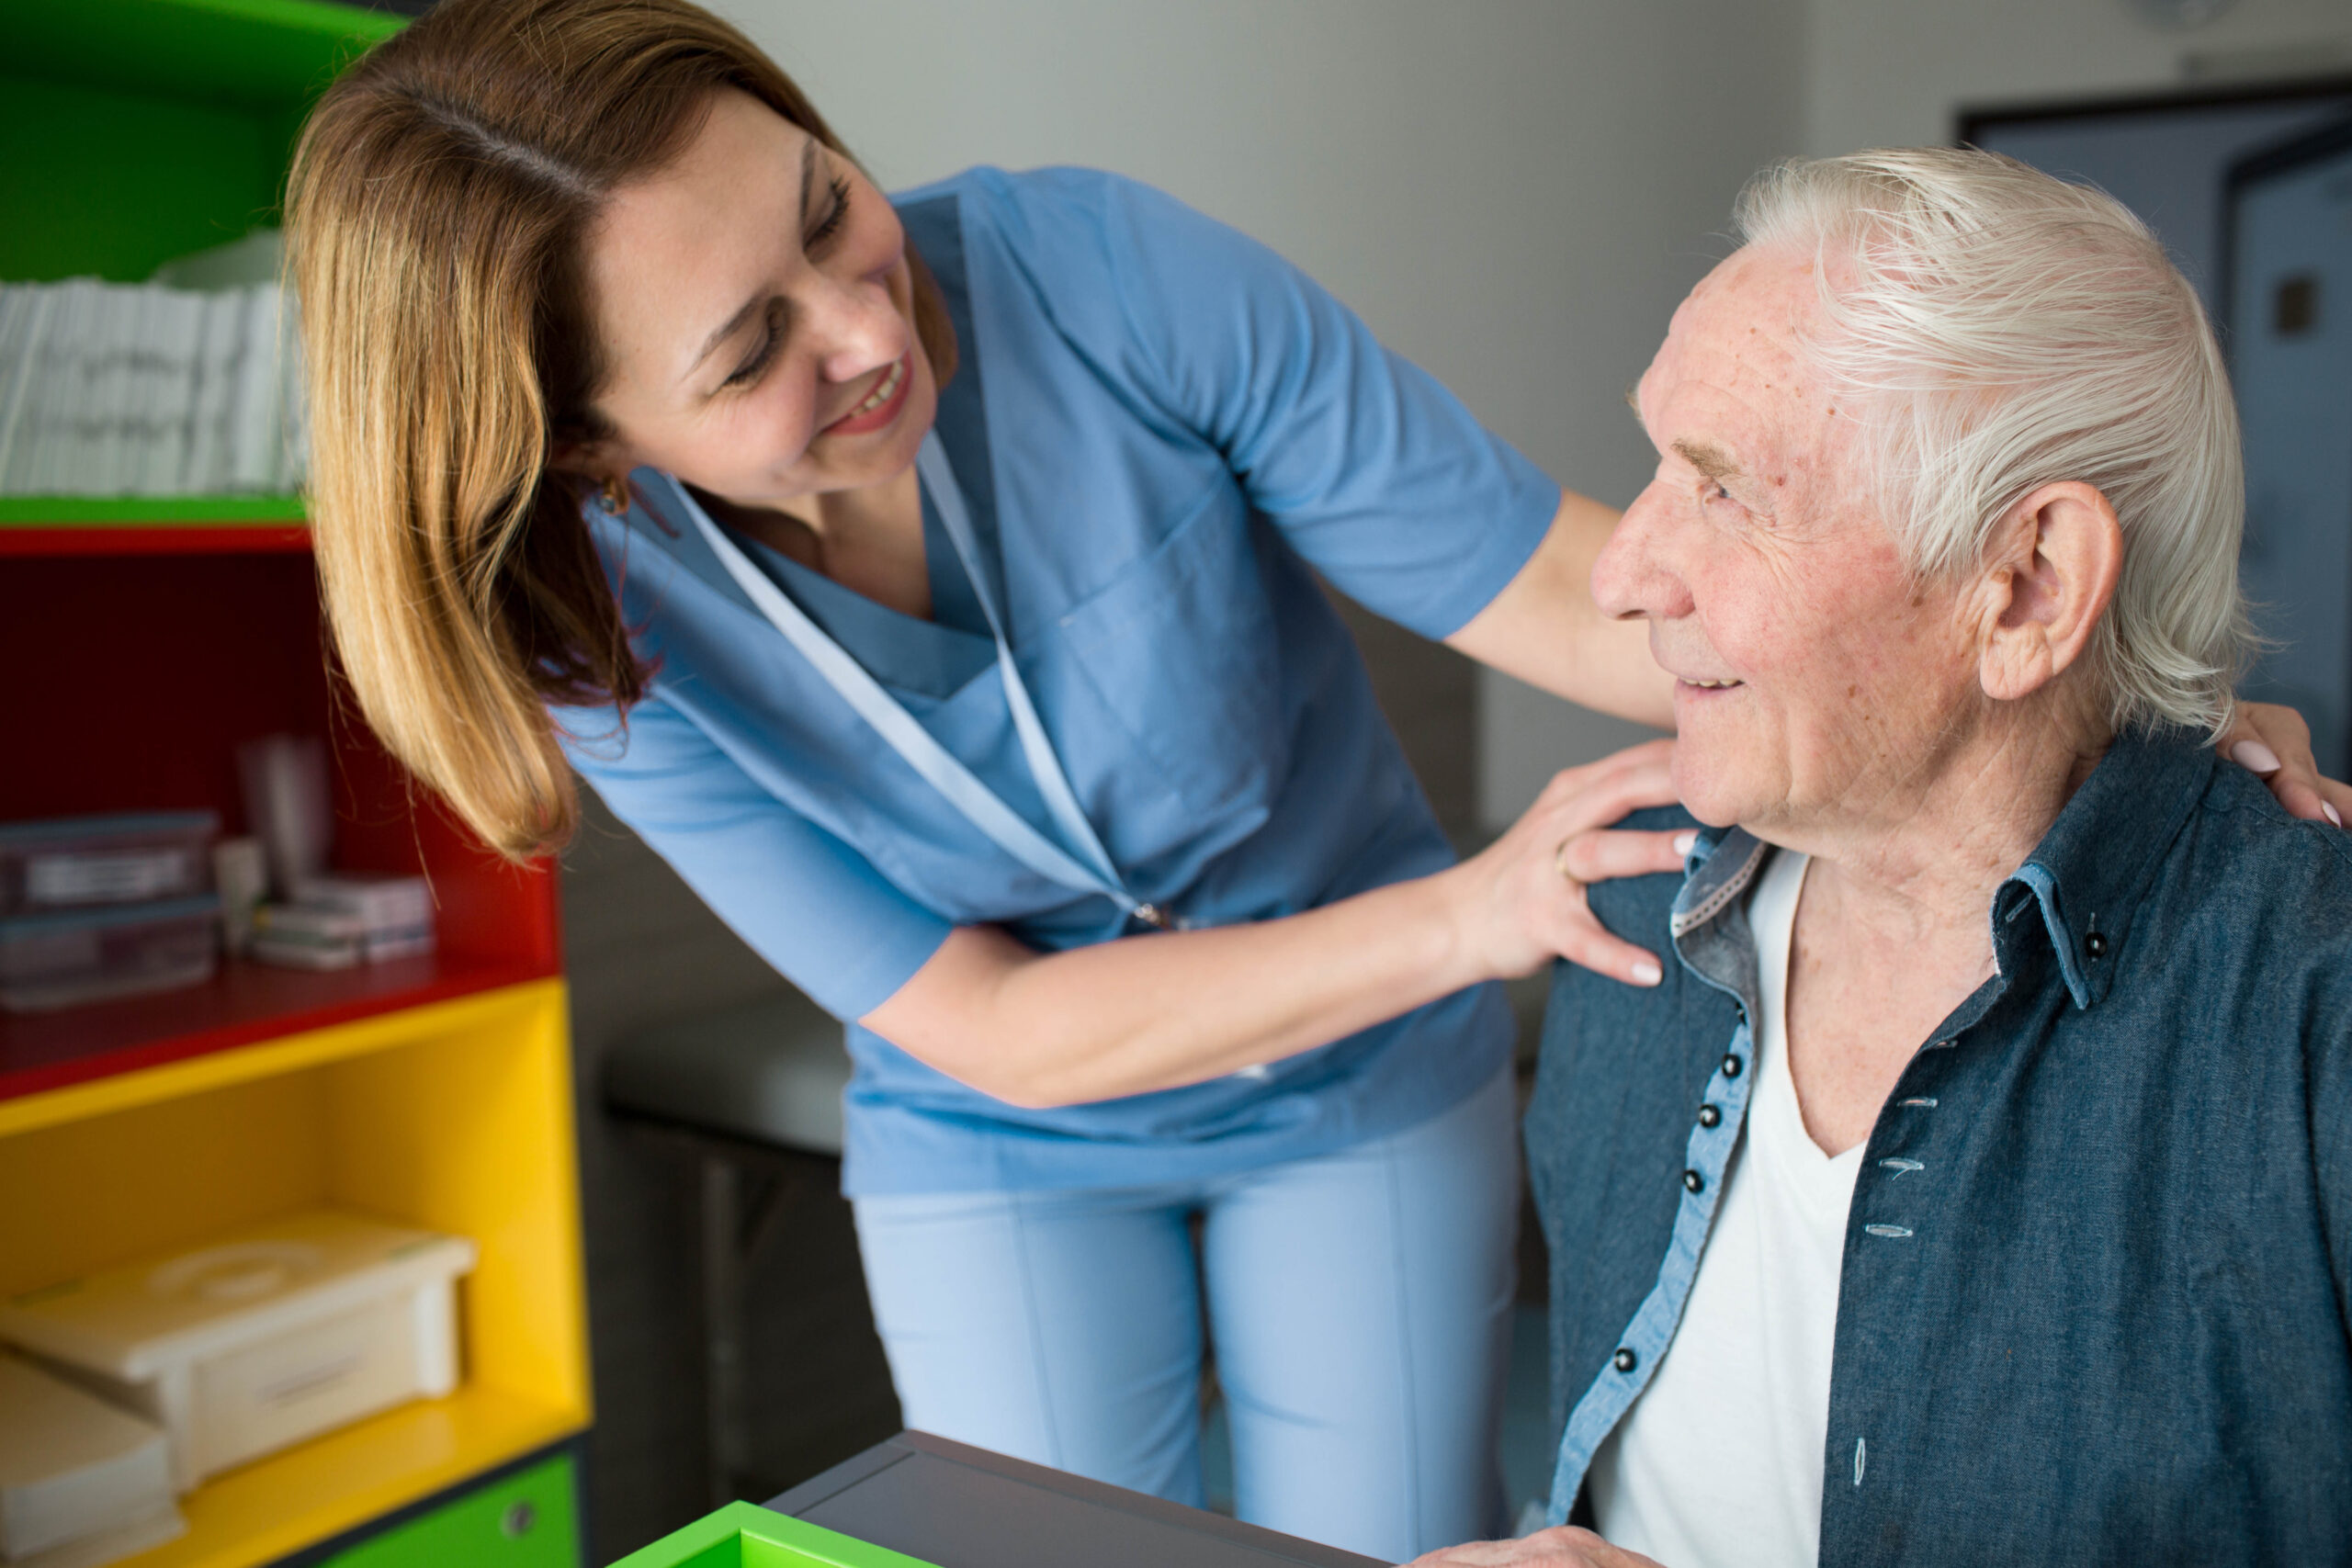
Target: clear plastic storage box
x,y
74,956
267,1335
78,863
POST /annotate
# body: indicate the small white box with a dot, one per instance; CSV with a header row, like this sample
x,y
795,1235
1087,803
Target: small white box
x,y
271,1335
80,1480
379,902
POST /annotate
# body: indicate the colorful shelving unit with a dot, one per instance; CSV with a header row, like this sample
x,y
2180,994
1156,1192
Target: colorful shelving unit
x,y
144,640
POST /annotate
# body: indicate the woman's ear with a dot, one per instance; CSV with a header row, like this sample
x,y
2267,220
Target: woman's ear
x,y
587,458
2051,576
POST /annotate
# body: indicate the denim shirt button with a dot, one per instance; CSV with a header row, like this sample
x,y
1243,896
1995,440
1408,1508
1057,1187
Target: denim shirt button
x,y
1695,1181
1731,1066
1709,1116
2095,944
1624,1361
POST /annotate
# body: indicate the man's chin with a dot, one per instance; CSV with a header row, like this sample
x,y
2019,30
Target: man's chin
x,y
1712,795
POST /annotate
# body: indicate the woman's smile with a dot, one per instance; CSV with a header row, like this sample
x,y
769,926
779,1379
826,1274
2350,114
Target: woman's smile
x,y
880,406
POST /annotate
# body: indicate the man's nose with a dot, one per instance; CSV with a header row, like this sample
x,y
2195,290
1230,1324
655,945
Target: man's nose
x,y
1631,577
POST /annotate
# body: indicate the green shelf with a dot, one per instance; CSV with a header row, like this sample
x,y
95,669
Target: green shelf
x,y
743,1535
138,131
150,511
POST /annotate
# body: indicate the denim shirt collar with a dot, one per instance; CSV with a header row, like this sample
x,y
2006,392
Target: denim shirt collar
x,y
2086,877
2090,872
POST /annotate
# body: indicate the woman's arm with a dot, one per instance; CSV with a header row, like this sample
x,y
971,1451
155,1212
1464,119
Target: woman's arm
x,y
1157,1010
1545,628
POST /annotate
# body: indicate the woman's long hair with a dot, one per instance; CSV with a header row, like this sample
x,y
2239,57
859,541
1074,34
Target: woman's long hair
x,y
436,212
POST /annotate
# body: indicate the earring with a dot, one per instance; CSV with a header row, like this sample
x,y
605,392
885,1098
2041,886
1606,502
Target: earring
x,y
612,497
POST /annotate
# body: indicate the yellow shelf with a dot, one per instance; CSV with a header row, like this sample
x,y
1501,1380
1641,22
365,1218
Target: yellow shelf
x,y
455,1115
503,1006
280,1505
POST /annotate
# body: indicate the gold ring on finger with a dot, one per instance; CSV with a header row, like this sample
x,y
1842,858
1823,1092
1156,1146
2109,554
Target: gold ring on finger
x,y
1560,862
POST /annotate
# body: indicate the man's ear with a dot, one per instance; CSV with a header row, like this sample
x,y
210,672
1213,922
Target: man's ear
x,y
2051,576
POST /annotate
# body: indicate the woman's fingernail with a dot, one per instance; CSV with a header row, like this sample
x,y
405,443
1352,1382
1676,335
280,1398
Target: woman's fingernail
x,y
2255,756
1647,973
2332,815
1684,842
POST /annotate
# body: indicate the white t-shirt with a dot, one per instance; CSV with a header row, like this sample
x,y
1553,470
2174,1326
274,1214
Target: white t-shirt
x,y
1718,1463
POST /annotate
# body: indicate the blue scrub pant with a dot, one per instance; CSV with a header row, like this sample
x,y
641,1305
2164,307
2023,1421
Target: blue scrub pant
x,y
1360,1303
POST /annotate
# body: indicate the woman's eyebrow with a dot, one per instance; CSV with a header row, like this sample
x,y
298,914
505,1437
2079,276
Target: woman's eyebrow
x,y
758,303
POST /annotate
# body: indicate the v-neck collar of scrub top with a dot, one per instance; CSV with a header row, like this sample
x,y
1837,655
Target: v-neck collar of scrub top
x,y
919,659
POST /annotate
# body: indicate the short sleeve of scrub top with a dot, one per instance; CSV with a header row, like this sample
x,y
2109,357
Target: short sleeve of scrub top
x,y
1158,425
1371,468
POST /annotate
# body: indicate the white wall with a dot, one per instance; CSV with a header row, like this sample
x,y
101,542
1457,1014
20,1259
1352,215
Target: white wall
x,y
1514,193
1894,72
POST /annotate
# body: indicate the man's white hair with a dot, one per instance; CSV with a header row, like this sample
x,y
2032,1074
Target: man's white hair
x,y
1998,330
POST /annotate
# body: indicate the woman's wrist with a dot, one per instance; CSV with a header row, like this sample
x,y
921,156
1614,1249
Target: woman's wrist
x,y
1457,908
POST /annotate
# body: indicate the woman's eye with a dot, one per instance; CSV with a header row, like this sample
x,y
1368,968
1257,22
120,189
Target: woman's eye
x,y
749,372
835,216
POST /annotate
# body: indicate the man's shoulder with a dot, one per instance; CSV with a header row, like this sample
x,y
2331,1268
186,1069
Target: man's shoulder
x,y
2250,882
2242,821
1588,1010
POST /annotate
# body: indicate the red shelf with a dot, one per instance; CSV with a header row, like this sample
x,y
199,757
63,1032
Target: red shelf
x,y
241,539
245,1003
143,667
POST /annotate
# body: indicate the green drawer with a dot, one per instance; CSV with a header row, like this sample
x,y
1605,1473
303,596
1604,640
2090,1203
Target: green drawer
x,y
528,1519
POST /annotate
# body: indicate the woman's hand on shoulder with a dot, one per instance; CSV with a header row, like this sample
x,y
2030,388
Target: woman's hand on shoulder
x,y
1520,901
2276,744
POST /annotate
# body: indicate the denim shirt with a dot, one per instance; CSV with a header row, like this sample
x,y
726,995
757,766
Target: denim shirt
x,y
2094,1298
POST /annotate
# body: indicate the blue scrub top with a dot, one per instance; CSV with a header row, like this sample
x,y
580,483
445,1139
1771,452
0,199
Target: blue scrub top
x,y
1159,426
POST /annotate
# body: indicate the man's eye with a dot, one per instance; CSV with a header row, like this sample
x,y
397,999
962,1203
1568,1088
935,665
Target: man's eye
x,y
1715,491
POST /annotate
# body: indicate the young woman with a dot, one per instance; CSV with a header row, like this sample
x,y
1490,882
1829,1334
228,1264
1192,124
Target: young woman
x,y
928,580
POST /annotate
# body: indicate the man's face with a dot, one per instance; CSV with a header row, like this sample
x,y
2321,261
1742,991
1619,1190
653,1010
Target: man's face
x,y
1816,679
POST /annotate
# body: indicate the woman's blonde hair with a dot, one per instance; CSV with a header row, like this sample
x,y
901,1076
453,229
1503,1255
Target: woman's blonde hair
x,y
436,213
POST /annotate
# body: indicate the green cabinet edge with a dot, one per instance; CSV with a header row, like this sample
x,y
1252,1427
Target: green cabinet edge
x,y
524,1517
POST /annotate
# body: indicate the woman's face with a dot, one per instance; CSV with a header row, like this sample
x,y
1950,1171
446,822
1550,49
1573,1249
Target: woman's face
x,y
757,315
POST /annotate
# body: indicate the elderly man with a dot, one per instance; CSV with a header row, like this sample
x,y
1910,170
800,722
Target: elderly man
x,y
1977,1186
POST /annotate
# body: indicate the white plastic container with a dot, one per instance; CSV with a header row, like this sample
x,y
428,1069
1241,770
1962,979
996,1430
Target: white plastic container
x,y
74,956
80,1482
268,1336
76,863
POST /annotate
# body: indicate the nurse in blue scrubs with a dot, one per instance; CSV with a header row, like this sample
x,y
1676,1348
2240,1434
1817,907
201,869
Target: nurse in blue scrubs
x,y
965,545
1000,711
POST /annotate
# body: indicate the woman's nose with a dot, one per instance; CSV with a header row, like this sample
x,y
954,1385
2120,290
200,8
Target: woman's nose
x,y
1631,577
859,327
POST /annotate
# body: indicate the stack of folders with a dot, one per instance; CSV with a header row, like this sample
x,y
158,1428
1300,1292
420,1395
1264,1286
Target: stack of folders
x,y
145,388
